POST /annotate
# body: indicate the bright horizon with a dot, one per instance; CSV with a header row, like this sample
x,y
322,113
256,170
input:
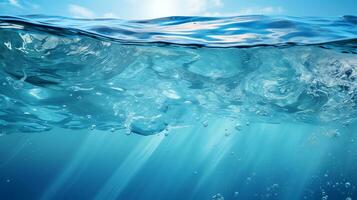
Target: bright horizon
x,y
146,9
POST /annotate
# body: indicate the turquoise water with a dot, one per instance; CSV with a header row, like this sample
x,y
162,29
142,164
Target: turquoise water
x,y
249,107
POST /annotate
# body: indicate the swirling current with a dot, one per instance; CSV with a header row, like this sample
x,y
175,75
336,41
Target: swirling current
x,y
151,76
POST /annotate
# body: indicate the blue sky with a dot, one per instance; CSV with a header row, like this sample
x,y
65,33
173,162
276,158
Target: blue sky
x,y
142,9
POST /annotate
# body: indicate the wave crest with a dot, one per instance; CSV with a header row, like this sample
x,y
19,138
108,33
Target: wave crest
x,y
240,31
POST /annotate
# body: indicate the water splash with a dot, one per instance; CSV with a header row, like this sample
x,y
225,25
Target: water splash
x,y
114,74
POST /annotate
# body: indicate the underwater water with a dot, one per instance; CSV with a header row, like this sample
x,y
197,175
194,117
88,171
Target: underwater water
x,y
248,107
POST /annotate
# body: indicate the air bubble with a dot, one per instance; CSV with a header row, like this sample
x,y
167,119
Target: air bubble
x,y
226,133
127,131
236,194
238,127
347,184
166,131
325,197
144,126
217,196
205,123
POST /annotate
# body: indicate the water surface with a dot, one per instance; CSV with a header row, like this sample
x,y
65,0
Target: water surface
x,y
248,107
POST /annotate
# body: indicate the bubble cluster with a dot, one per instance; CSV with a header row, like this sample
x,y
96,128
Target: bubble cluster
x,y
79,82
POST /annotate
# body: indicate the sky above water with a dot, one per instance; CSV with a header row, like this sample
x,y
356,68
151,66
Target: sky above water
x,y
144,9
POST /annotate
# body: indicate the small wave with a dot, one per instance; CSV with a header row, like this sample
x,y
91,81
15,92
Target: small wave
x,y
240,31
60,72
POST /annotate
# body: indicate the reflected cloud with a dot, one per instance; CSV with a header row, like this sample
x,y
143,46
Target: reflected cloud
x,y
268,10
162,8
261,10
80,12
15,3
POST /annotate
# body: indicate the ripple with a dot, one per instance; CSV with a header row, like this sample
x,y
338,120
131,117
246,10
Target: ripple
x,y
67,74
202,31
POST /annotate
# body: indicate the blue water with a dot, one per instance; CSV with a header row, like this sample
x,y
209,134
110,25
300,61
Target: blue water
x,y
248,107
